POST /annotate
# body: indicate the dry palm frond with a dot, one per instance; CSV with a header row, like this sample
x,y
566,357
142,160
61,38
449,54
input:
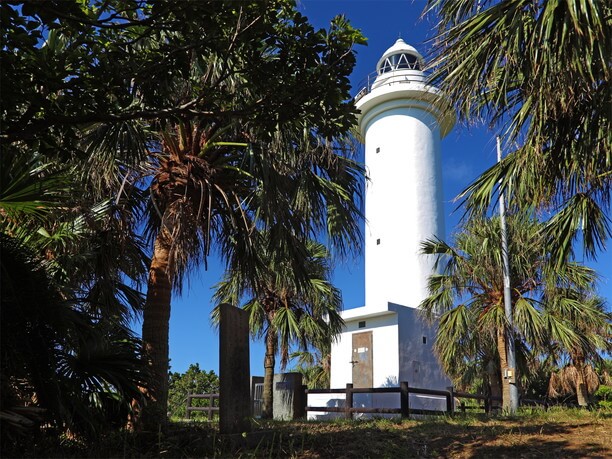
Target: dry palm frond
x,y
565,381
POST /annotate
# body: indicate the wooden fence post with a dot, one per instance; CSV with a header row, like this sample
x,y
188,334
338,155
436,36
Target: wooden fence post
x,y
450,400
405,399
348,404
189,406
304,400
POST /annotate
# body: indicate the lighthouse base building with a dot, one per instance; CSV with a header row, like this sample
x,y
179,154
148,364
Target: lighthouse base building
x,y
380,349
402,121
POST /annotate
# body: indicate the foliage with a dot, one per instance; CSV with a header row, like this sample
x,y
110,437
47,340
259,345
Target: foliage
x,y
540,70
110,97
116,61
71,265
315,365
554,312
603,397
60,365
564,381
193,381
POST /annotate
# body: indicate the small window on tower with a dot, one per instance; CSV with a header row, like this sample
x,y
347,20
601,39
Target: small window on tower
x,y
424,339
362,324
377,149
377,241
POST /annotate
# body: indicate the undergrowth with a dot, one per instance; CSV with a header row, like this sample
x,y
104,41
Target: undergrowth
x,y
378,437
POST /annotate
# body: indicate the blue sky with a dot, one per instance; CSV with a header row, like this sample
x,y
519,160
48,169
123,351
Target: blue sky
x,y
465,153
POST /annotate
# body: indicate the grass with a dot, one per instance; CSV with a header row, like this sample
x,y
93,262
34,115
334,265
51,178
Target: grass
x,y
530,434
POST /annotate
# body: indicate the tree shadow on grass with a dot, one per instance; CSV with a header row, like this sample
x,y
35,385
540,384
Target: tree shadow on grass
x,y
454,438
436,439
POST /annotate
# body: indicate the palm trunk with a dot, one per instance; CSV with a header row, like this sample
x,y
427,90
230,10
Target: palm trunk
x,y
503,364
582,392
155,330
269,362
495,385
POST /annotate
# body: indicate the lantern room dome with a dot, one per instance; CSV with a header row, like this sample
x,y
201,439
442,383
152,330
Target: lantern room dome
x,y
400,56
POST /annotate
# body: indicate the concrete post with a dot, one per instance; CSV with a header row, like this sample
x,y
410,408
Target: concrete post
x,y
287,400
234,370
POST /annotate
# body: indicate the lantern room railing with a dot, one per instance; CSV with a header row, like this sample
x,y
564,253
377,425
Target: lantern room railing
x,y
400,76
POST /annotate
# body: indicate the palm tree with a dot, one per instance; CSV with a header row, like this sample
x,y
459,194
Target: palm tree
x,y
467,297
267,157
540,72
285,307
314,364
207,190
196,197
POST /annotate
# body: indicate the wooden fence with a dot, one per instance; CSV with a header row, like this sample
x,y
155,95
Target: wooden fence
x,y
348,409
404,390
210,409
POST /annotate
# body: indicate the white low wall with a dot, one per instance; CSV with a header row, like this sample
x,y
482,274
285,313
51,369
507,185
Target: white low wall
x,y
417,402
331,400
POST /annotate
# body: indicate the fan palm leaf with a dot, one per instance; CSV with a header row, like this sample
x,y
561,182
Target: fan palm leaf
x,y
539,72
286,307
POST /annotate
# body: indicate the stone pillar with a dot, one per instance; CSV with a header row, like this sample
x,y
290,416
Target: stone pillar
x,y
234,370
288,403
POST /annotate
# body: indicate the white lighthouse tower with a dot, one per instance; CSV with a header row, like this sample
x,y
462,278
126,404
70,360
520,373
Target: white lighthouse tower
x,y
402,121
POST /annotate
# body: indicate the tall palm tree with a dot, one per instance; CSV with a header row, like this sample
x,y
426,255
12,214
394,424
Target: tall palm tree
x,y
249,149
196,197
540,72
284,306
467,297
209,191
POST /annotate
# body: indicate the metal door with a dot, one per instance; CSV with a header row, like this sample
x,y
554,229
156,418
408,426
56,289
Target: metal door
x,y
362,359
257,400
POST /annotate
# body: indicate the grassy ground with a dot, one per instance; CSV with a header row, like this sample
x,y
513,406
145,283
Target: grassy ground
x,y
552,434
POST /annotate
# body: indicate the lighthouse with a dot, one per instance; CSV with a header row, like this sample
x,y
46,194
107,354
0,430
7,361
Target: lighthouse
x,y
402,121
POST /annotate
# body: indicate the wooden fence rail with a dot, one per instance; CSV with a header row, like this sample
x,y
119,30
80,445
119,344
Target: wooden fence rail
x,y
210,409
404,390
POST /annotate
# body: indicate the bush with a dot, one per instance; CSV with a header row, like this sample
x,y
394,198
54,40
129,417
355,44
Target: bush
x,y
603,397
193,381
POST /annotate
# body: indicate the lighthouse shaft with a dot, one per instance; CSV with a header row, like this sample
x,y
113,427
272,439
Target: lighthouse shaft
x,y
403,202
402,120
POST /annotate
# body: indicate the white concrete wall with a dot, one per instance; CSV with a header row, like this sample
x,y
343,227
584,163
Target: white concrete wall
x,y
417,361
399,354
403,202
328,400
385,348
